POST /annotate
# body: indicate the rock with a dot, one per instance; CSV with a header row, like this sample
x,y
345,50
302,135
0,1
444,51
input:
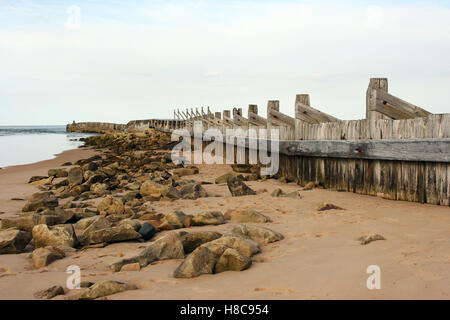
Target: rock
x,y
26,223
185,171
192,240
122,232
293,195
223,178
193,191
99,188
248,215
66,164
176,220
34,205
238,188
309,186
277,193
244,246
42,182
106,288
149,187
110,206
232,260
261,235
99,222
167,247
13,240
147,231
200,261
328,206
110,170
36,178
242,168
131,267
173,193
66,216
44,256
92,166
58,173
280,193
75,176
208,218
205,257
132,223
41,195
50,292
370,237
58,235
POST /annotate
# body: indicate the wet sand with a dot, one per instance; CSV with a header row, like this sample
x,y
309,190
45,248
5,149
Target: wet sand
x,y
320,257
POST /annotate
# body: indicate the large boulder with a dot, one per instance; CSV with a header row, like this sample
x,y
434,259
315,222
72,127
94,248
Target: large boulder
x,y
238,188
111,206
75,175
42,182
26,223
44,256
58,173
232,260
174,220
192,240
223,178
50,292
246,247
222,254
200,261
150,188
261,235
99,222
167,247
58,235
95,234
43,203
208,218
13,240
193,191
106,288
185,171
248,215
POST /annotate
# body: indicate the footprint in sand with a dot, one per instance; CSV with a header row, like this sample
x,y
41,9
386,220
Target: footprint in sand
x,y
173,282
276,290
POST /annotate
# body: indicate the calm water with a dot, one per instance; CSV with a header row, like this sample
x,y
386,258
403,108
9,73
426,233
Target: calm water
x,y
29,144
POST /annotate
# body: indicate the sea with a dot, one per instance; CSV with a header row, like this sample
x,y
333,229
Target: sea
x,y
29,144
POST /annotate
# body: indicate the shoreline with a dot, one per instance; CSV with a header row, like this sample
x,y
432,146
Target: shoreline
x,y
319,258
14,179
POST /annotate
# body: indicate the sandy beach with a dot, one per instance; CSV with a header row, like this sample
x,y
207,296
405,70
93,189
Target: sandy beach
x,y
320,257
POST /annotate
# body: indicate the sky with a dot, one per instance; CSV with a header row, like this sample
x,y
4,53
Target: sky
x,y
116,61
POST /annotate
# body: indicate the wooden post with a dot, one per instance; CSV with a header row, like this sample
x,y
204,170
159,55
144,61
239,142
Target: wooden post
x,y
371,101
253,118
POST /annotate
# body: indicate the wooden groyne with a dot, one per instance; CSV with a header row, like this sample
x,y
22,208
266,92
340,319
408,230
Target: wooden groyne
x,y
399,151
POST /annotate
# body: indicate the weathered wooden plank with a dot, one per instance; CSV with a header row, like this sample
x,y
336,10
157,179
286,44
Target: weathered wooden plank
x,y
396,108
278,118
311,115
432,150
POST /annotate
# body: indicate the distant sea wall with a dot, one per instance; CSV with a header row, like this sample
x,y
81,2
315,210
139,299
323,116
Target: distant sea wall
x,y
134,125
94,127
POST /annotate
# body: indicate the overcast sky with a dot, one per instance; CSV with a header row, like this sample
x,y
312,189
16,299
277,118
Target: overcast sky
x,y
130,60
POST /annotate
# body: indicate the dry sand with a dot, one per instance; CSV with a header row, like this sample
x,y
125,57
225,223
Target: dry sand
x,y
320,257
